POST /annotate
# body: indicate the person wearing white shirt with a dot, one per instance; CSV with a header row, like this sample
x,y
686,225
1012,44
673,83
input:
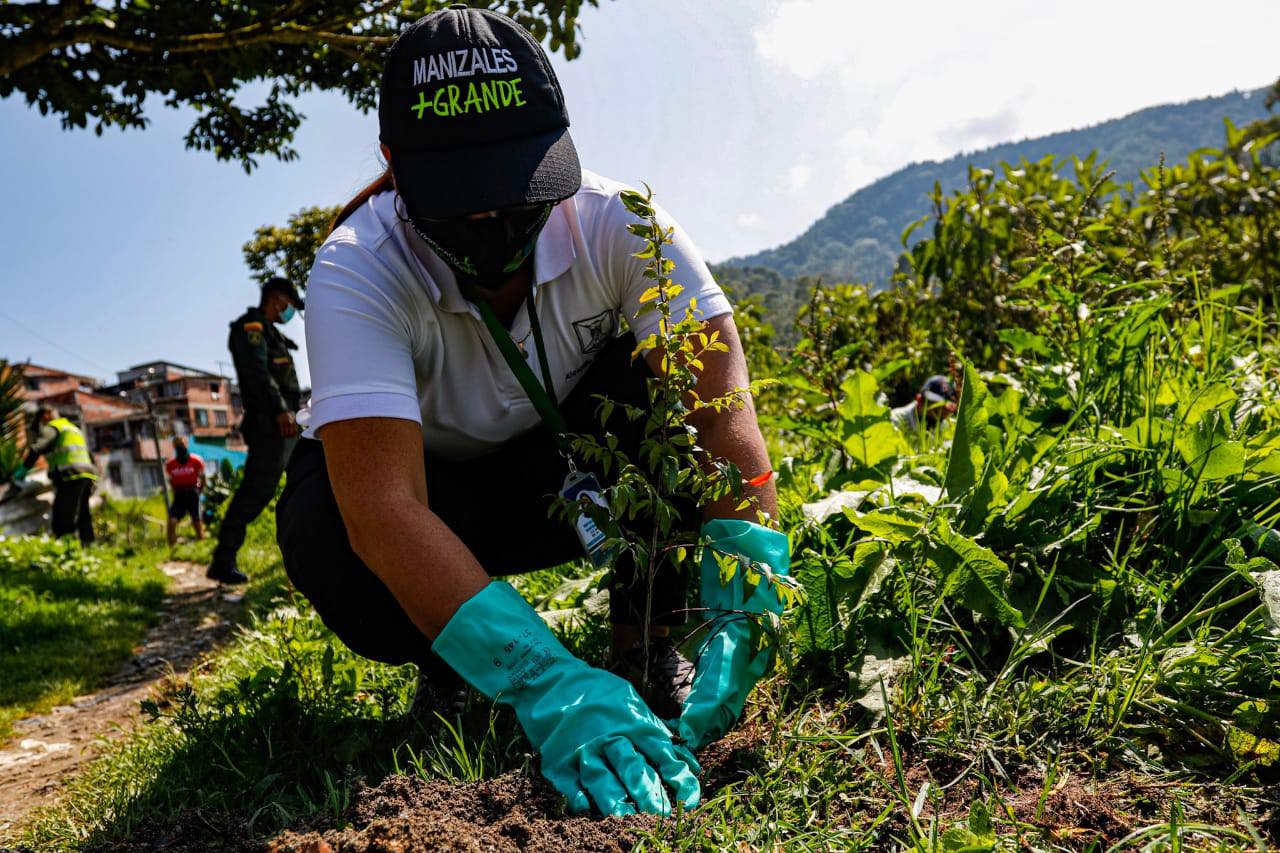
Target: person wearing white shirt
x,y
932,404
427,464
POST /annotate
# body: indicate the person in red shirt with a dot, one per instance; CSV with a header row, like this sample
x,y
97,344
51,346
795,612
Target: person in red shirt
x,y
186,478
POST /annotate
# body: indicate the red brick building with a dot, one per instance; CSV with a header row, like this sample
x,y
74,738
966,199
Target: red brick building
x,y
120,421
200,404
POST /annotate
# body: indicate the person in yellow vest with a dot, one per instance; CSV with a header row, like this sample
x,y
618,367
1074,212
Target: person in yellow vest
x,y
71,470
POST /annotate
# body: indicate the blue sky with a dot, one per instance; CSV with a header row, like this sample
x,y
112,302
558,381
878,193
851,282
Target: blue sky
x,y
748,117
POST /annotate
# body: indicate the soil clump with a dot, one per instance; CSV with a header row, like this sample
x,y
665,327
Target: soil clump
x,y
513,812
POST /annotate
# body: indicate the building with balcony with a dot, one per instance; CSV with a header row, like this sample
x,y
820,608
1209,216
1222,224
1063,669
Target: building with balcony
x,y
130,425
200,405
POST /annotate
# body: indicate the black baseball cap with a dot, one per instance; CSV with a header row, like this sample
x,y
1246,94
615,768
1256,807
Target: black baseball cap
x,y
474,117
938,389
280,284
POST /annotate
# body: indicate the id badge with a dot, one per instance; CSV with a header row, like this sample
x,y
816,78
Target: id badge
x,y
582,486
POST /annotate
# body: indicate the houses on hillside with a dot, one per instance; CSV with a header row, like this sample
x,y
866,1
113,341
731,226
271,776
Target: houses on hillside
x,y
130,423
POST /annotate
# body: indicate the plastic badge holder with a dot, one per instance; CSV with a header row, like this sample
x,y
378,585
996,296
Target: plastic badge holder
x,y
584,488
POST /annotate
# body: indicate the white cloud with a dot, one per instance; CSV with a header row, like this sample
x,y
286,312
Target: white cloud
x,y
893,83
798,177
749,221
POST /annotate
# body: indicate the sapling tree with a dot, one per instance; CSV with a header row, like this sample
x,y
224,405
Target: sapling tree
x,y
672,469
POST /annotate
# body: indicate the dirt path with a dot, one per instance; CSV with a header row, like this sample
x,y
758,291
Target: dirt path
x,y
49,749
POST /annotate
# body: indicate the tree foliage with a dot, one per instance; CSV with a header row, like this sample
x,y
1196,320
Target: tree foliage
x,y
11,400
95,63
857,240
1095,531
974,280
289,250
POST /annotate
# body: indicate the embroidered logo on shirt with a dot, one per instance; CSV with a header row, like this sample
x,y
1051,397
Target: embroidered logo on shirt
x,y
594,332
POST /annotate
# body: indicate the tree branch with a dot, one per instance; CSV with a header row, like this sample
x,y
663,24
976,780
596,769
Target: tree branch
x,y
28,51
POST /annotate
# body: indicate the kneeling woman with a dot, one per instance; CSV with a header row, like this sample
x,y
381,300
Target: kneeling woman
x,y
483,258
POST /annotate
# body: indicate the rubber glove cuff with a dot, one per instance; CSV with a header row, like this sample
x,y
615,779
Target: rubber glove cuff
x,y
728,665
744,539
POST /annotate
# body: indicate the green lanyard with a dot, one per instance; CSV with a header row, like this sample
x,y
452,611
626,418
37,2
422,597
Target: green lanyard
x,y
543,397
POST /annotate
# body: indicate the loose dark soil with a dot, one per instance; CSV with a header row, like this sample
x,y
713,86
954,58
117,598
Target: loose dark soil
x,y
511,813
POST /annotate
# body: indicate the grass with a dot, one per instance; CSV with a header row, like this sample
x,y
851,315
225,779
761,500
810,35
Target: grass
x,y
279,724
277,727
69,617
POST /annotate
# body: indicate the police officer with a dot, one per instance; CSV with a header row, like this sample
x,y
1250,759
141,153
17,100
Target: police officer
x,y
71,470
269,388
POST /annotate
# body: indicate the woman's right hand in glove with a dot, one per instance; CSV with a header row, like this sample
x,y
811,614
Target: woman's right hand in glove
x,y
598,740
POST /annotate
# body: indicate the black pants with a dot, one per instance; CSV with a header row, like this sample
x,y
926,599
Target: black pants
x,y
496,504
186,502
71,509
268,454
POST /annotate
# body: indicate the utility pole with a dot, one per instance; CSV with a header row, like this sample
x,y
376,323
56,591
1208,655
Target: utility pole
x,y
155,439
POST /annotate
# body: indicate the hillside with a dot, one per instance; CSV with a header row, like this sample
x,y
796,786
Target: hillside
x,y
859,239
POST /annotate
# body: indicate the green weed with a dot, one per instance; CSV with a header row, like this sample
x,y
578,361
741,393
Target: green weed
x,y
69,617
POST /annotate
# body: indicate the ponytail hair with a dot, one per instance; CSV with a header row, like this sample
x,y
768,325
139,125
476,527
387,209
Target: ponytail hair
x,y
383,183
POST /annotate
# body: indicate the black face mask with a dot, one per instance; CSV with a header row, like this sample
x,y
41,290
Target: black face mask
x,y
182,453
485,252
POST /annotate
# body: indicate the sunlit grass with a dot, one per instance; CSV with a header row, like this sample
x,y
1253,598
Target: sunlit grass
x,y
69,617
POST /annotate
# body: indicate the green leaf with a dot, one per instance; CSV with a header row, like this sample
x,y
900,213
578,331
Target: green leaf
x,y
1032,278
1170,392
980,820
1264,460
1147,432
967,456
1250,747
971,574
1021,341
869,436
857,579
987,499
893,524
1212,397
1209,453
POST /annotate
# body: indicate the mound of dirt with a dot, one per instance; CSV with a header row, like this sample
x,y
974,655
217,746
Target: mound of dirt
x,y
510,813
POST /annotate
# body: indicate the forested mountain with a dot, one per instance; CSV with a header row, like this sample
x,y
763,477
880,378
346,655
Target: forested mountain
x,y
859,239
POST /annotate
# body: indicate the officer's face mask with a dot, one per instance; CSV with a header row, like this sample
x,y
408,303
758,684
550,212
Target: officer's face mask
x,y
484,251
287,314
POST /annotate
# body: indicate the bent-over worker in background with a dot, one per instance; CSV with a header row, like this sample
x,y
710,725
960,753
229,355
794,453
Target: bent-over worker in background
x,y
186,480
933,404
269,389
71,470
485,261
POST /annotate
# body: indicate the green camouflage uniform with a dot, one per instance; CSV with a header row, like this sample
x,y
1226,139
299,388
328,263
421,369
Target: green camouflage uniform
x,y
268,387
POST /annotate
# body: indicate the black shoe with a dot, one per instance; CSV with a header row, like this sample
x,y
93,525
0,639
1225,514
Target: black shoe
x,y
439,692
670,676
226,574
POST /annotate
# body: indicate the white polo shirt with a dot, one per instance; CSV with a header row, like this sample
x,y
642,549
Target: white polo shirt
x,y
390,335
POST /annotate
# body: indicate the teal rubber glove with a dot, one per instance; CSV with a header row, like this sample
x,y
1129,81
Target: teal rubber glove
x,y
728,666
598,740
20,473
